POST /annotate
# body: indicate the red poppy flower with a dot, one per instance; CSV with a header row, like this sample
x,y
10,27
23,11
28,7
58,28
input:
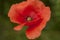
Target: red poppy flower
x,y
32,13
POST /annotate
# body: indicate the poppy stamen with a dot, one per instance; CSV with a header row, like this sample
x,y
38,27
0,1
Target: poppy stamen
x,y
29,18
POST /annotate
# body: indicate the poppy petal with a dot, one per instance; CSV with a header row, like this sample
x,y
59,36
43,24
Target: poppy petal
x,y
27,11
35,28
33,34
19,27
45,13
36,32
20,7
15,16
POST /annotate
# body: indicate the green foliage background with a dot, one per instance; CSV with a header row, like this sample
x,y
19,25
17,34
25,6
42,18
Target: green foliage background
x,y
51,32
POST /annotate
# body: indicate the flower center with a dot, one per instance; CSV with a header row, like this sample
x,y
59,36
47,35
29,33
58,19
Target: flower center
x,y
29,18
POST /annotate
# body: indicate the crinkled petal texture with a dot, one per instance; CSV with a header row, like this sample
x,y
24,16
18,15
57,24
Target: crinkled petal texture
x,y
39,13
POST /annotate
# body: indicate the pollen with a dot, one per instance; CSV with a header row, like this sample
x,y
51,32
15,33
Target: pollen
x,y
29,18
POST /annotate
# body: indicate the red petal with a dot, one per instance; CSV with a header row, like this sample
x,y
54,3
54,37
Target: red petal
x,y
46,13
35,32
34,29
19,27
15,16
27,11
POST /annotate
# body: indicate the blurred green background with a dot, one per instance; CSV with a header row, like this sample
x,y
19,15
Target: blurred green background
x,y
51,32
